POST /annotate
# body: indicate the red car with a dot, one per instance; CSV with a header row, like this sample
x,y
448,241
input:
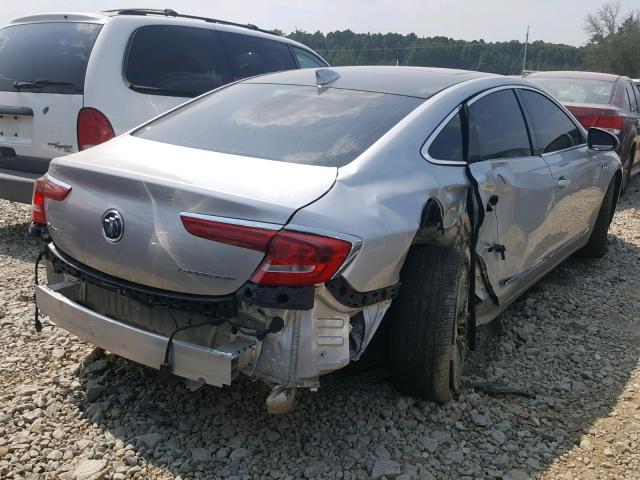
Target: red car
x,y
601,100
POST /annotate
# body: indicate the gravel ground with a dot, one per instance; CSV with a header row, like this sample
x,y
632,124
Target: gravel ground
x,y
572,343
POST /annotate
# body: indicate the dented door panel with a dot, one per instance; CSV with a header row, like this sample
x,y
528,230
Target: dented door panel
x,y
518,221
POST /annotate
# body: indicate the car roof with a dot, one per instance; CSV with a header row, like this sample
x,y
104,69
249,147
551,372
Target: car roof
x,y
156,15
574,74
421,82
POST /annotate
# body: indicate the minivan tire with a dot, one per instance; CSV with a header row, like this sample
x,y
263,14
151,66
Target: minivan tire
x,y
596,247
427,324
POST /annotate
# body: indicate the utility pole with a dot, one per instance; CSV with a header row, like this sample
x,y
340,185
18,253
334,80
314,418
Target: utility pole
x,y
526,43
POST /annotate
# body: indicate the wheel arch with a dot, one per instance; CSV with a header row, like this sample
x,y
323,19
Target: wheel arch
x,y
443,225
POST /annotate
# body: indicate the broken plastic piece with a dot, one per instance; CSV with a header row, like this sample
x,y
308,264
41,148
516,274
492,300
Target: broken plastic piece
x,y
281,399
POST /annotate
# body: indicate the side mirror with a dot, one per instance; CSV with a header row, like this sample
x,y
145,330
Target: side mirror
x,y
600,140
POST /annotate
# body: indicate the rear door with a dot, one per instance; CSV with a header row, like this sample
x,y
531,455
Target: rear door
x,y
42,74
516,190
576,173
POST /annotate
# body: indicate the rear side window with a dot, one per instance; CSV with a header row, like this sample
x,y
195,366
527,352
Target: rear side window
x,y
252,55
448,144
288,123
498,126
175,61
307,60
633,101
552,128
57,52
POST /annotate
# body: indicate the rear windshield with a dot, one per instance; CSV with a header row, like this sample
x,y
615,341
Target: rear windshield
x,y
577,90
297,124
56,52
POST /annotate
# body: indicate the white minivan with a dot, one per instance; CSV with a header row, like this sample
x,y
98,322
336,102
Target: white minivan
x,y
69,81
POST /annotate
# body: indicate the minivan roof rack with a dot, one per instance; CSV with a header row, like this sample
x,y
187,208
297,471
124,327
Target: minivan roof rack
x,y
167,12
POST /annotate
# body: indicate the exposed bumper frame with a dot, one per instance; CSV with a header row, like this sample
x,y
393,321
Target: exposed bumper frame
x,y
215,366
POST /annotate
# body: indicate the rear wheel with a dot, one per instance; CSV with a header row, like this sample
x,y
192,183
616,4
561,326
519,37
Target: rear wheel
x,y
597,245
428,324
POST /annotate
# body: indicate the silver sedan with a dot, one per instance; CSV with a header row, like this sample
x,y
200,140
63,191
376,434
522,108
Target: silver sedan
x,y
273,226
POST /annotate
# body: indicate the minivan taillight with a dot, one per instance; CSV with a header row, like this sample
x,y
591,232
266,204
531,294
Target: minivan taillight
x,y
93,128
46,187
291,258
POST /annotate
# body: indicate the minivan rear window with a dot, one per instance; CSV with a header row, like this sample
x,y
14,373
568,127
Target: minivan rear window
x,y
288,123
56,52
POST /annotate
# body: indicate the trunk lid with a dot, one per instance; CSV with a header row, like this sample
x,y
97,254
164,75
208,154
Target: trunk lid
x,y
150,184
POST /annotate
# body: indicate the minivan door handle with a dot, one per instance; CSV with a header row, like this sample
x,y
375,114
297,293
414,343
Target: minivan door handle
x,y
563,182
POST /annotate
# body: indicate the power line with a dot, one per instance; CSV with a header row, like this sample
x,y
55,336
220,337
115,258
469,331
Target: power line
x,y
372,49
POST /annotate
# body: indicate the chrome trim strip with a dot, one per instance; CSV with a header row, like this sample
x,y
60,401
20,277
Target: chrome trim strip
x,y
233,221
509,280
575,147
60,183
216,366
424,151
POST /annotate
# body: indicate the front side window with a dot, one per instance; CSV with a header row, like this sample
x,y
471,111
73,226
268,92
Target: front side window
x,y
307,60
56,52
175,61
252,55
448,143
552,127
287,123
498,126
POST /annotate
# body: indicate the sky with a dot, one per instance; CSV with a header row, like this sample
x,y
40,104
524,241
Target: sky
x,y
558,21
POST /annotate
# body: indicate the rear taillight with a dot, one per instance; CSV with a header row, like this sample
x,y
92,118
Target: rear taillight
x,y
93,128
612,123
291,258
239,235
46,187
295,259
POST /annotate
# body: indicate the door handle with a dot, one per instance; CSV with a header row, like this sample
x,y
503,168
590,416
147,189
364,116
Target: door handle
x,y
563,182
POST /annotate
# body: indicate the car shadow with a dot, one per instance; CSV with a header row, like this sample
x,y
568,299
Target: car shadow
x,y
626,200
567,358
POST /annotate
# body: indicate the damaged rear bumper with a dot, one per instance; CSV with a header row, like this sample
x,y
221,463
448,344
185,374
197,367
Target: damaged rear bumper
x,y
225,336
215,366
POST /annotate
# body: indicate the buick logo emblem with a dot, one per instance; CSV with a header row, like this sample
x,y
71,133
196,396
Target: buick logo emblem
x,y
112,226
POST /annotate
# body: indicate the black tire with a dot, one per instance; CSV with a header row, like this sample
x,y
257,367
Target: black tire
x,y
597,245
428,324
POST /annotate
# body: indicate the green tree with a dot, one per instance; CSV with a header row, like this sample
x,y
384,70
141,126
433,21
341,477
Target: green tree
x,y
614,45
349,48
